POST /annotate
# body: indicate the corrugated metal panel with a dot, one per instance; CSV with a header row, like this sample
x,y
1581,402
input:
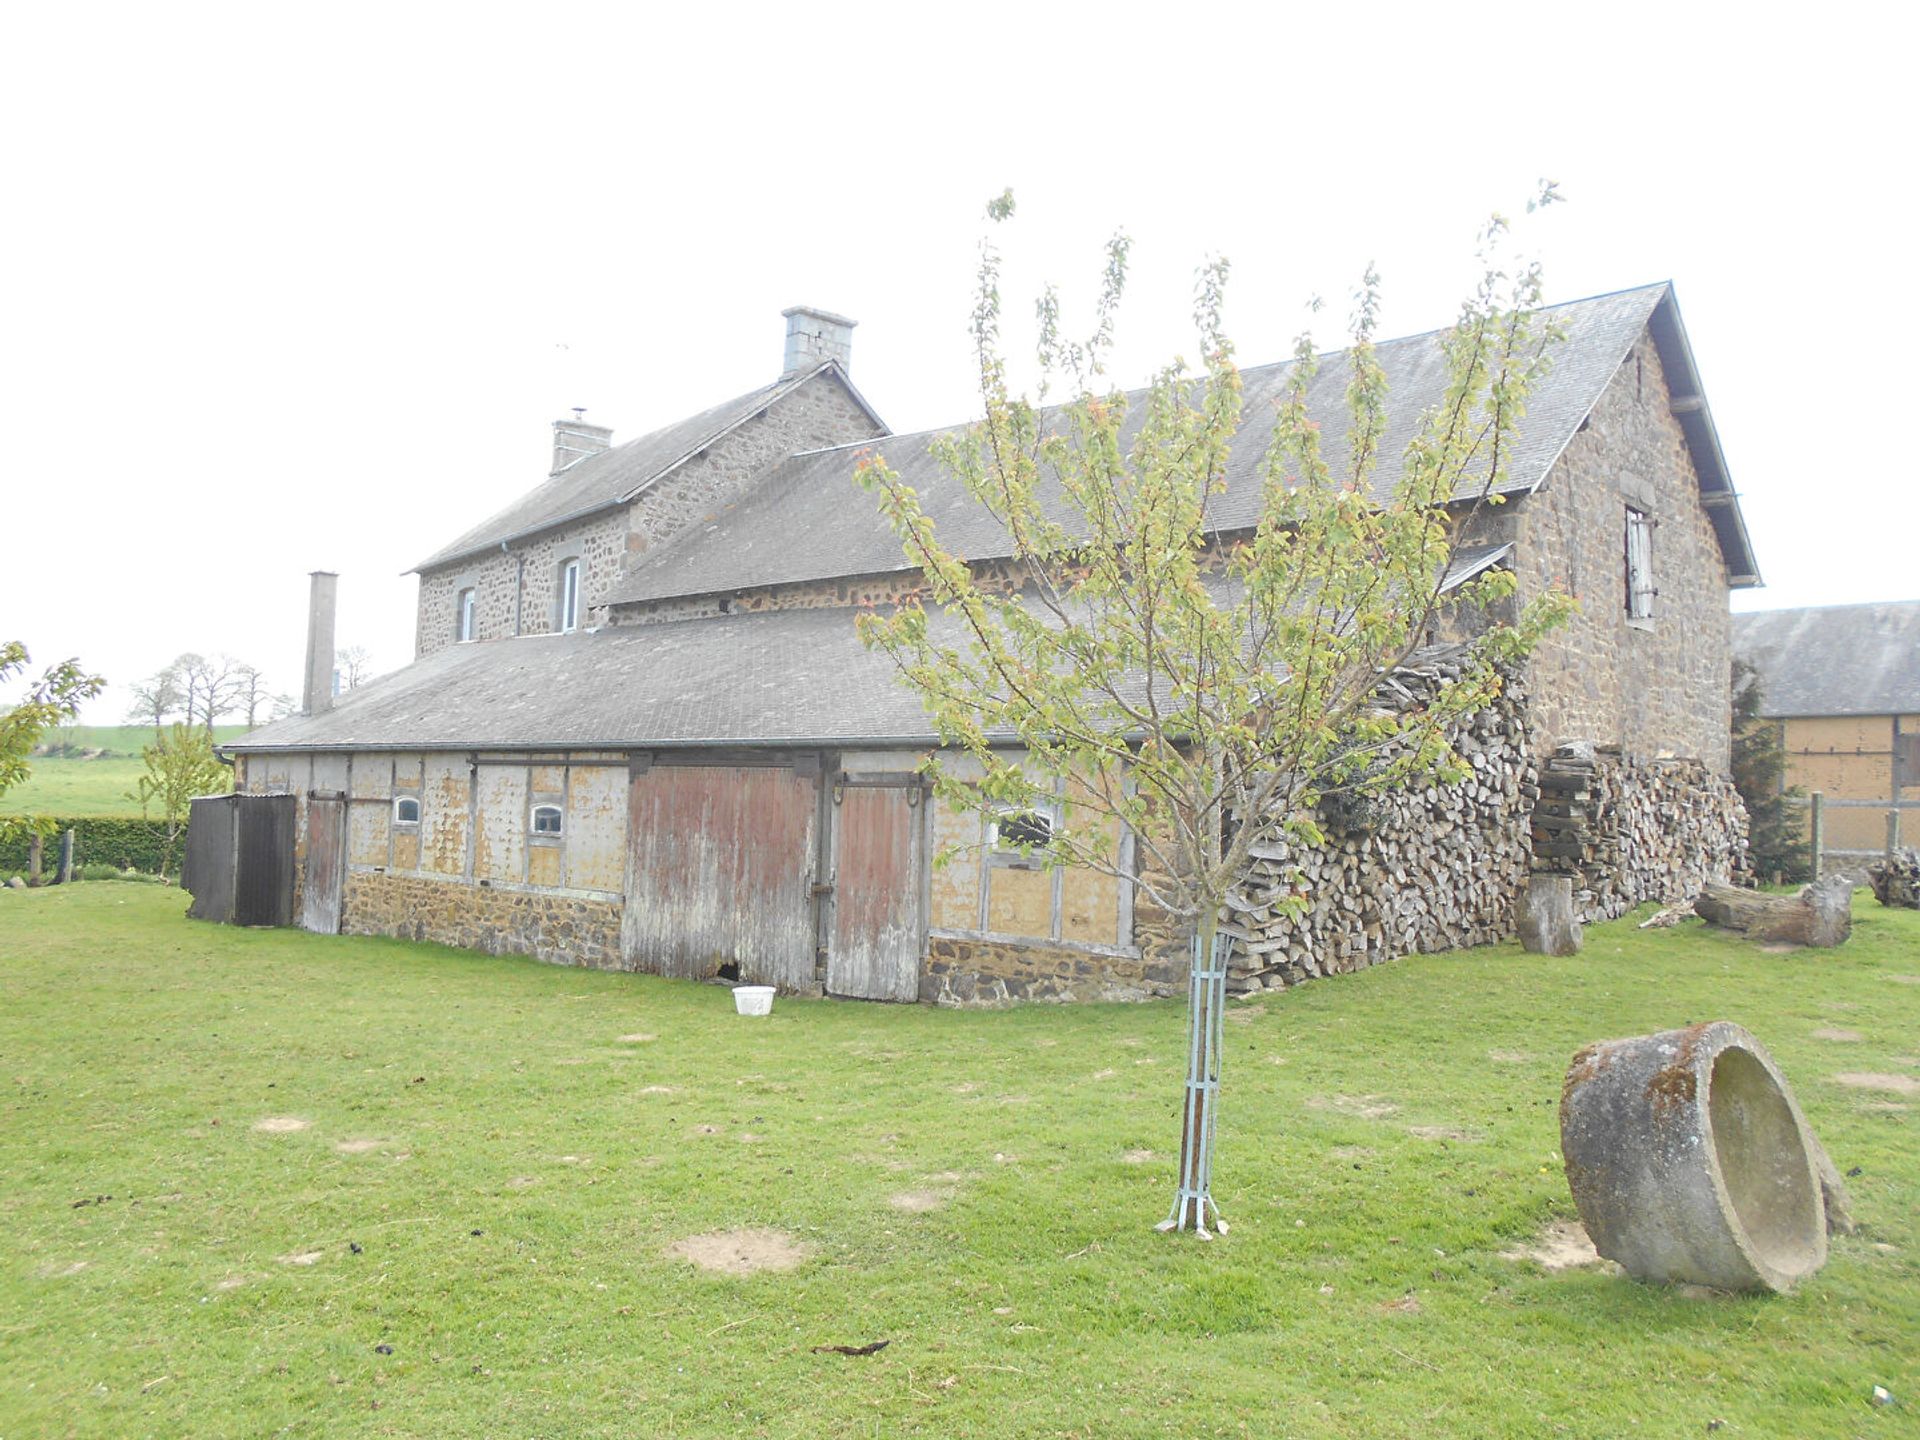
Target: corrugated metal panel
x,y
876,945
207,870
263,874
721,872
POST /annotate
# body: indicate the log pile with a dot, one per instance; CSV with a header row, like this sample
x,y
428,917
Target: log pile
x,y
1630,830
1896,879
1437,868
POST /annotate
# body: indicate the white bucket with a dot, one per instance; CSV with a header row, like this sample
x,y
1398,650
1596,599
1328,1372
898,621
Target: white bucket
x,y
753,999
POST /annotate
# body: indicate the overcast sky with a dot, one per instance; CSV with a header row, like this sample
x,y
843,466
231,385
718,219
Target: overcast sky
x,y
297,287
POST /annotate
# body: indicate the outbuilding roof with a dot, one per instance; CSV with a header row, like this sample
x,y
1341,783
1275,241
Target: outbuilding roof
x,y
599,482
1834,659
808,522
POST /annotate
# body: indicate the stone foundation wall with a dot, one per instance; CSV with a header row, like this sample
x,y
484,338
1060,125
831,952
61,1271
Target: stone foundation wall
x,y
560,928
961,972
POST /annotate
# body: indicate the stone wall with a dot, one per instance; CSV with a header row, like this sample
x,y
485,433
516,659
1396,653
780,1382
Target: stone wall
x,y
967,972
515,589
499,920
1641,686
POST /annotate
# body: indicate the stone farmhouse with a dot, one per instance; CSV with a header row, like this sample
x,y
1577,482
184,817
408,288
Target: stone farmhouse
x,y
640,732
1843,681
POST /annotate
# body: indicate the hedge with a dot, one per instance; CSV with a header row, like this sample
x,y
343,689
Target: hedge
x,y
98,840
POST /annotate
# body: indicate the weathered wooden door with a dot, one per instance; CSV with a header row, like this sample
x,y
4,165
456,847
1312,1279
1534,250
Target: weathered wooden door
x,y
877,940
720,872
322,892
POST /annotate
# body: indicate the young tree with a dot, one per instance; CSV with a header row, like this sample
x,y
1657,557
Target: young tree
x,y
1776,827
54,699
180,766
1204,694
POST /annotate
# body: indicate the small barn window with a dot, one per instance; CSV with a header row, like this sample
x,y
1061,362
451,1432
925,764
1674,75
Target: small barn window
x,y
1639,556
1012,831
463,616
567,596
546,820
406,810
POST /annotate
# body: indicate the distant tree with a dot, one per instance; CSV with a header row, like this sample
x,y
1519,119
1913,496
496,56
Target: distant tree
x,y
1205,699
54,699
180,766
356,666
211,687
157,698
252,695
1776,828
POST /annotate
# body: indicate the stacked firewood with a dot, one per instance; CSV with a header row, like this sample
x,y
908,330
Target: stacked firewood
x,y
1896,879
1630,830
1425,869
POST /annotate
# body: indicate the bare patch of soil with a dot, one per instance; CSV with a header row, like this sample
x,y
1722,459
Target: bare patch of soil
x,y
706,1129
1405,1305
1509,1057
230,1282
1780,947
1351,1152
574,1060
54,1270
1563,1245
523,1182
1905,979
1367,1107
658,1089
358,1147
1105,1074
1440,1132
1891,1084
1137,1157
741,1252
965,1088
917,1202
1839,1037
281,1124
637,1039
302,1257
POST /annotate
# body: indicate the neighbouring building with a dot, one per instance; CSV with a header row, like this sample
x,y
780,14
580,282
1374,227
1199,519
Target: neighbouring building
x,y
640,732
1843,681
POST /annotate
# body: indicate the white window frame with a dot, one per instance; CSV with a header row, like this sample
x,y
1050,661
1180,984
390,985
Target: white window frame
x,y
1641,591
466,614
1011,854
559,818
400,821
567,596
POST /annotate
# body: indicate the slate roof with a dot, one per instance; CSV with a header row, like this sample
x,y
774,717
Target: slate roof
x,y
789,676
808,521
601,481
1834,659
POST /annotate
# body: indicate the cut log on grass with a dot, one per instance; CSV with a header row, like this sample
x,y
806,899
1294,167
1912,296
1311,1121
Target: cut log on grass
x,y
1545,917
1896,879
1821,914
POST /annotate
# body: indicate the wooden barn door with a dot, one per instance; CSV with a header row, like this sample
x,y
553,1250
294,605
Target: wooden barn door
x,y
877,940
720,871
321,894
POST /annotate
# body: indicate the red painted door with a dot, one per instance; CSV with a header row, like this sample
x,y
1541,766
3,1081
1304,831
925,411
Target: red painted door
x,y
877,938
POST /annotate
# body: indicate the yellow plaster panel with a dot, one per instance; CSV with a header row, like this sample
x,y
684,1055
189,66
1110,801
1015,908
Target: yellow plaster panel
x,y
1842,777
1019,902
443,815
406,849
1089,907
596,827
1842,733
369,820
372,775
543,864
500,823
956,885
548,779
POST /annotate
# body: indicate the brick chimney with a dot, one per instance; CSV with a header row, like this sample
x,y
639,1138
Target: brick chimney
x,y
575,439
321,602
814,336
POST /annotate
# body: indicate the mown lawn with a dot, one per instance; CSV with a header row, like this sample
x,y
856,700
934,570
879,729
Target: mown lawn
x,y
498,1156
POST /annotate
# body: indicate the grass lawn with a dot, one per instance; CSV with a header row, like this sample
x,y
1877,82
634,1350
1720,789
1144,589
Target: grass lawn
x,y
497,1157
64,786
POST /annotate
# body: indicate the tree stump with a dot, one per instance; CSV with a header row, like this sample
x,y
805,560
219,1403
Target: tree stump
x,y
1545,917
1896,879
1821,914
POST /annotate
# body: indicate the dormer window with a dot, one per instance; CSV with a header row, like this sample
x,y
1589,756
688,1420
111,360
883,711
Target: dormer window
x,y
464,626
567,597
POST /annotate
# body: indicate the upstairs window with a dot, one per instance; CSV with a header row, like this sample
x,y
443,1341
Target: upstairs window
x,y
406,811
567,597
1640,588
545,820
463,617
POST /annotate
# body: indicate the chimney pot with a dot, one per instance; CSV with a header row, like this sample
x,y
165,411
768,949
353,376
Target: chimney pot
x,y
322,601
814,336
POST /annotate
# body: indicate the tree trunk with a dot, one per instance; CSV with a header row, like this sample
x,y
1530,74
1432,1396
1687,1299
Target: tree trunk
x,y
1545,917
1821,914
1206,1006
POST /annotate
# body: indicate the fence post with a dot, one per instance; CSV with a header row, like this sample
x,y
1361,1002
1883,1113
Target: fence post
x,y
66,857
1818,804
36,858
1893,833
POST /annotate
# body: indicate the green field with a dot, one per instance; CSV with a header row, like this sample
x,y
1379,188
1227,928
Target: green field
x,y
264,1182
65,786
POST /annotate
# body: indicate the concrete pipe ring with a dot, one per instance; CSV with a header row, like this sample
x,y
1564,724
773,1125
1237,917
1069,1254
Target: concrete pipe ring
x,y
1688,1162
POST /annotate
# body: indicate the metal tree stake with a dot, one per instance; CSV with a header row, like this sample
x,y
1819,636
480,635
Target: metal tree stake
x,y
1206,1006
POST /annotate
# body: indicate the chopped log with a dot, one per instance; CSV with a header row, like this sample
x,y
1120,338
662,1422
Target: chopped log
x,y
1896,879
1545,917
1820,915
